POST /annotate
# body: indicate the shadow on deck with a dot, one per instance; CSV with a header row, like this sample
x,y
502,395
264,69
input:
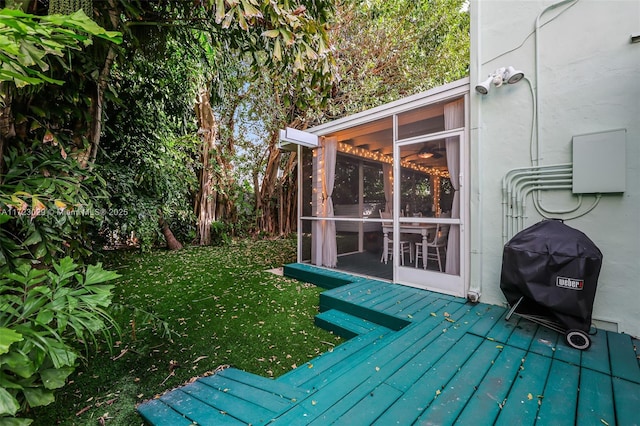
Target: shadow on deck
x,y
417,357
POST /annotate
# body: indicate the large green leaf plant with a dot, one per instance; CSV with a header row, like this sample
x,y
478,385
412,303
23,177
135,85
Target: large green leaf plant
x,y
26,42
46,316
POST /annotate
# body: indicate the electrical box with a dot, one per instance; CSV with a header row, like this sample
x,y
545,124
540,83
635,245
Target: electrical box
x,y
599,162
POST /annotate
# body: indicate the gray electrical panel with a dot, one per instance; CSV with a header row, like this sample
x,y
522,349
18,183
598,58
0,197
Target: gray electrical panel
x,y
599,162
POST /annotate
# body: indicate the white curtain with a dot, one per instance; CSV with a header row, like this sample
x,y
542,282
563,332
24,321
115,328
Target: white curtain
x,y
454,119
387,171
329,148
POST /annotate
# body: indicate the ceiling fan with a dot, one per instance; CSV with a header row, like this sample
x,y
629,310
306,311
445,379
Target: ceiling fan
x,y
434,152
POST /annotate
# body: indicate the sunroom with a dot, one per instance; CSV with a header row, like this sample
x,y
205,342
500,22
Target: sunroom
x,y
383,194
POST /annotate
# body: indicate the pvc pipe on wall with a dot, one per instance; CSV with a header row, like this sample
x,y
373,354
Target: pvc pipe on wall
x,y
538,159
511,181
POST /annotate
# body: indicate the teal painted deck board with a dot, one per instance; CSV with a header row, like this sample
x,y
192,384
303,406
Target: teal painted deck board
x,y
267,395
624,361
562,385
493,389
595,399
395,323
502,330
382,300
491,316
597,359
401,351
196,410
403,301
523,334
412,304
432,347
317,276
343,324
357,289
231,404
448,405
566,353
431,359
308,374
368,409
545,342
425,390
158,413
518,408
627,402
359,371
273,386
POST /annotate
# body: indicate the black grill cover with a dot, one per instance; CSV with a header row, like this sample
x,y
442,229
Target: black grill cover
x,y
556,268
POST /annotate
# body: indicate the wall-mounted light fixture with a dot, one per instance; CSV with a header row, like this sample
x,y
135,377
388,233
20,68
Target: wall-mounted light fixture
x,y
500,76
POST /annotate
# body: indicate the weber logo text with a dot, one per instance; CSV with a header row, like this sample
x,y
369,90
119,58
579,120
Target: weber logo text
x,y
569,283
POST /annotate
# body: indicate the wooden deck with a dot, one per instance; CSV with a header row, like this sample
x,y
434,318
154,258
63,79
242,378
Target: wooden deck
x,y
417,357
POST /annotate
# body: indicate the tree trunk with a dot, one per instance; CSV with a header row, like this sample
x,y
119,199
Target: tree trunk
x,y
172,242
277,199
7,122
206,200
97,97
264,202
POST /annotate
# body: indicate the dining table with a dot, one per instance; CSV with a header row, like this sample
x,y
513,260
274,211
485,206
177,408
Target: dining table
x,y
406,228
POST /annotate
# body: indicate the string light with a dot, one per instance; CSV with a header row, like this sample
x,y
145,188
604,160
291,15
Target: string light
x,y
381,158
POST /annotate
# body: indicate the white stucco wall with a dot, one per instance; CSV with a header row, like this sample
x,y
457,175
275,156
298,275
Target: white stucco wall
x,y
588,81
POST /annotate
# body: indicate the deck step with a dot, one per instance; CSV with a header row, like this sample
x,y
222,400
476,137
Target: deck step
x,y
321,277
228,397
319,370
349,299
343,324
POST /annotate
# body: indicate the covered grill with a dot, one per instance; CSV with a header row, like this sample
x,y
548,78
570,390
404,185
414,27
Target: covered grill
x,y
549,276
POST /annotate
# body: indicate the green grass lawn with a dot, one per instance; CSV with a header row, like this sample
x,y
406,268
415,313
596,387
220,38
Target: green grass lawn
x,y
224,309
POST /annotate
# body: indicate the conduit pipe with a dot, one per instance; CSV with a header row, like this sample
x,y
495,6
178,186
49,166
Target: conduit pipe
x,y
524,173
520,201
538,160
517,222
596,201
537,202
536,189
515,198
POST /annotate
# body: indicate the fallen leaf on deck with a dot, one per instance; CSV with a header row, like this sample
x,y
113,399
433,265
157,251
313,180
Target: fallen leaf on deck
x,y
529,397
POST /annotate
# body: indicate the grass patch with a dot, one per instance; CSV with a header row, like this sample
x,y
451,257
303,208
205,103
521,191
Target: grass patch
x,y
224,308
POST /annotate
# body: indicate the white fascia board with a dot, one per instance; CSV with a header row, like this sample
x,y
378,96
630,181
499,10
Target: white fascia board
x,y
453,89
298,137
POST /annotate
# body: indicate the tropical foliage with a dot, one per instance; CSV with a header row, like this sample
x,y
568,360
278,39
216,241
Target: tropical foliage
x,y
223,307
60,155
26,42
43,314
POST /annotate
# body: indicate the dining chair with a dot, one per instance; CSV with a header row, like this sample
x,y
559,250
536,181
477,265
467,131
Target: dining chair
x,y
405,246
439,241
